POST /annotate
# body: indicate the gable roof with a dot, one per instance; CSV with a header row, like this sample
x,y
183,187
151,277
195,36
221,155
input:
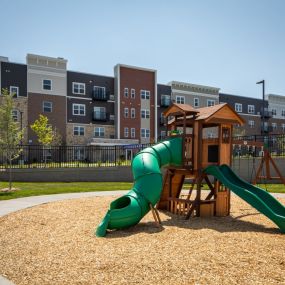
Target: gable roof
x,y
220,111
176,109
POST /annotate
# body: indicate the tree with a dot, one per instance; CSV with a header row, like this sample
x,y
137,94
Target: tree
x,y
47,136
10,132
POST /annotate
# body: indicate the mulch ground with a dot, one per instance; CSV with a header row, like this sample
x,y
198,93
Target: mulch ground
x,y
55,244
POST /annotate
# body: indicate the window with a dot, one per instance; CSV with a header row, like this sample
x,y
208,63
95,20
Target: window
x,y
79,153
133,93
14,90
99,132
251,109
78,109
46,84
274,126
133,113
210,102
133,132
145,133
126,112
165,100
99,113
283,127
162,134
196,102
180,99
283,113
47,107
15,114
238,107
145,114
99,92
274,112
145,94
126,132
251,124
78,131
126,92
78,88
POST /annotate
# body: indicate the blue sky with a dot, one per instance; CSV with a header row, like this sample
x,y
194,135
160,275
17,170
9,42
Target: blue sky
x,y
230,44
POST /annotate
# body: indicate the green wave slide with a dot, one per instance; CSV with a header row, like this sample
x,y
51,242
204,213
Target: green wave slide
x,y
258,198
129,209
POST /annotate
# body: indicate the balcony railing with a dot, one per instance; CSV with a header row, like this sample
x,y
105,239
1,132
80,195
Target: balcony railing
x,y
100,116
165,101
266,129
266,114
100,95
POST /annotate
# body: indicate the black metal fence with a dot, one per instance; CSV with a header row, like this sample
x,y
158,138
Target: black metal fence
x,y
36,156
256,144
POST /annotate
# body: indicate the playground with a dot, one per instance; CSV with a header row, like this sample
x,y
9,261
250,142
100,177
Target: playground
x,y
55,244
158,232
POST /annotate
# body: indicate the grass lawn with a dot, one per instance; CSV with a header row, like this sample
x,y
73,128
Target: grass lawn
x,y
42,188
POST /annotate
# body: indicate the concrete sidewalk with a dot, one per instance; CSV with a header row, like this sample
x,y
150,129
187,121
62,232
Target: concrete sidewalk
x,y
10,206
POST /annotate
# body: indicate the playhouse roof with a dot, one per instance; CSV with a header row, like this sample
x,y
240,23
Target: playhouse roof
x,y
217,114
179,109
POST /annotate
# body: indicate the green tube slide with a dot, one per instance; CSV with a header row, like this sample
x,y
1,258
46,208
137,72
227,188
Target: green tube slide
x,y
129,209
258,198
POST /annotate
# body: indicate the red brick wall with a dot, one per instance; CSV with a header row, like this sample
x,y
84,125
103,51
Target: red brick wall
x,y
136,79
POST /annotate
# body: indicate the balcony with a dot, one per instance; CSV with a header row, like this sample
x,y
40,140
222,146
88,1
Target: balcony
x,y
162,121
266,114
266,129
100,116
165,101
100,95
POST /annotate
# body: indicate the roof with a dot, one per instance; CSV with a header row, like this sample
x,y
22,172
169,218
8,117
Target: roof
x,y
176,109
220,111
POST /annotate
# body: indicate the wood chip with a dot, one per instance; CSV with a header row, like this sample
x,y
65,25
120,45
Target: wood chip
x,y
55,244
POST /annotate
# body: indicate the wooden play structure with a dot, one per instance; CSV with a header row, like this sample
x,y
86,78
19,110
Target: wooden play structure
x,y
199,151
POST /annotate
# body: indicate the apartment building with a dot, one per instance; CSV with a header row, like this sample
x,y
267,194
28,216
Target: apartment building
x,y
135,103
46,86
276,106
90,109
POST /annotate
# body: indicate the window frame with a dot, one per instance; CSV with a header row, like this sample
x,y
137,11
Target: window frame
x,y
100,88
79,129
45,111
251,124
196,105
133,93
15,115
146,113
274,112
237,105
274,126
145,132
73,109
212,101
133,113
126,112
145,94
43,84
180,97
250,107
133,133
78,93
126,92
126,132
16,95
99,128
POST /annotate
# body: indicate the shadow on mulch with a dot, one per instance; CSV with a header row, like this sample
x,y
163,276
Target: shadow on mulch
x,y
219,224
